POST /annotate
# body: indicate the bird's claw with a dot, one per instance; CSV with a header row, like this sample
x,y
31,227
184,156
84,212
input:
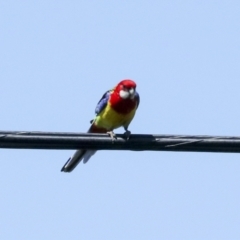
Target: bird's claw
x,y
127,134
112,135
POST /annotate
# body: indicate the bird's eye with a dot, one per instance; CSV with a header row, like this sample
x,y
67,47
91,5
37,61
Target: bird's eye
x,y
124,87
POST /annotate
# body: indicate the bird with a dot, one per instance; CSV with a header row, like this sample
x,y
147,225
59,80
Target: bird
x,y
115,109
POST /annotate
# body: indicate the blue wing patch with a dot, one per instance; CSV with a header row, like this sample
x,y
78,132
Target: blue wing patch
x,y
137,97
103,102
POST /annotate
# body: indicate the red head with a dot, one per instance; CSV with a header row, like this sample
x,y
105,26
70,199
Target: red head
x,y
124,98
126,89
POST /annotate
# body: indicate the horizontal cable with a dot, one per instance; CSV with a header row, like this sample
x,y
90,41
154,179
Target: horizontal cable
x,y
137,142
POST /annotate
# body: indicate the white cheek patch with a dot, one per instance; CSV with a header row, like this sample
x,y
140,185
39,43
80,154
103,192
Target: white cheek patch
x,y
124,94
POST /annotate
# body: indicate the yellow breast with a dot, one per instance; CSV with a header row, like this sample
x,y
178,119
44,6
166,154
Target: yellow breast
x,y
110,119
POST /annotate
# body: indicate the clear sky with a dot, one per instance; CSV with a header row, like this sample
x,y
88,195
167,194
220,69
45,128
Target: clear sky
x,y
57,58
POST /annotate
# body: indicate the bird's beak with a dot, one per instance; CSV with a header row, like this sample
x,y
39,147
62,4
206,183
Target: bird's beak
x,y
127,93
131,92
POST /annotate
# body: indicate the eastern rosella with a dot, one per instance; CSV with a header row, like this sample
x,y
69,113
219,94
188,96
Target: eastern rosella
x,y
115,109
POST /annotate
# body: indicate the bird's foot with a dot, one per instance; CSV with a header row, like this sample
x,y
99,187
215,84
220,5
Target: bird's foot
x,y
127,134
112,135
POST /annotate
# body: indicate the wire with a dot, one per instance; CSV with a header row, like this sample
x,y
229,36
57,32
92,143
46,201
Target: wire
x,y
137,142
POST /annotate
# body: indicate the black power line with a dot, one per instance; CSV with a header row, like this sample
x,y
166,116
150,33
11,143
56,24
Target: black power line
x,y
137,142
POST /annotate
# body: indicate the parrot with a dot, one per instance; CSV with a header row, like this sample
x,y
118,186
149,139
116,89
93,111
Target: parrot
x,y
115,109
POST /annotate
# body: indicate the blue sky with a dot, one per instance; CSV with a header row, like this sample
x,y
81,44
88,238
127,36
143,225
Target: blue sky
x,y
59,57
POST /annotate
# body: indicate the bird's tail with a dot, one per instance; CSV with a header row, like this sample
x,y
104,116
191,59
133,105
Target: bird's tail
x,y
81,154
